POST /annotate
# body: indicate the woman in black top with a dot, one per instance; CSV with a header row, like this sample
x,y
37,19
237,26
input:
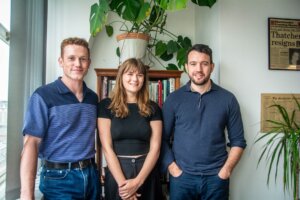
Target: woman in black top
x,y
130,128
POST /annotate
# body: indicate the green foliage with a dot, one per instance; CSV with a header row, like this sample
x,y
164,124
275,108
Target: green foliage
x,y
109,30
283,142
149,17
98,16
171,67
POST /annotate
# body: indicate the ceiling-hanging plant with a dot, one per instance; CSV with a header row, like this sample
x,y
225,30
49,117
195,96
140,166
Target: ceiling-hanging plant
x,y
147,17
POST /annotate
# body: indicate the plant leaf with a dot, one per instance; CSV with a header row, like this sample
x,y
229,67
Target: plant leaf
x,y
98,16
273,155
176,5
162,3
180,39
160,48
297,102
186,43
172,47
172,66
127,9
166,57
157,18
118,52
181,57
143,13
109,30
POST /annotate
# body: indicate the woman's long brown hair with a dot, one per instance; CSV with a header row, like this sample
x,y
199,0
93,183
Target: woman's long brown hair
x,y
119,97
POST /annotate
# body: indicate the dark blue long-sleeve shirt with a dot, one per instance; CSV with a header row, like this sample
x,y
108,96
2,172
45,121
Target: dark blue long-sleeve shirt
x,y
199,123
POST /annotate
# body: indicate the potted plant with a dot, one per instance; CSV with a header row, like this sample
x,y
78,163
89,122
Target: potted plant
x,y
146,17
283,142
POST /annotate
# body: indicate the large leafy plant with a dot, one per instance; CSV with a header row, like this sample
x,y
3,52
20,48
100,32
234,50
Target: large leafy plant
x,y
149,17
282,143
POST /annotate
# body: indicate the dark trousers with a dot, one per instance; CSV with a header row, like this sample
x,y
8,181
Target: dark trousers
x,y
150,190
198,187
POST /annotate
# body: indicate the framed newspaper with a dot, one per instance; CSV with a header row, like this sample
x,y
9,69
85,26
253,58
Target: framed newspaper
x,y
284,44
271,113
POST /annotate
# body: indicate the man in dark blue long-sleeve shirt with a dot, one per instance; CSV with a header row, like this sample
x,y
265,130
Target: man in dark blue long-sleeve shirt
x,y
195,119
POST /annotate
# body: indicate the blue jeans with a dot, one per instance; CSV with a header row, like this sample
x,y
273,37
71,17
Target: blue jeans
x,y
198,187
70,184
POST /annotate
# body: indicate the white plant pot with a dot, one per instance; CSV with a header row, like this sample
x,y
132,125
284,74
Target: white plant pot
x,y
132,45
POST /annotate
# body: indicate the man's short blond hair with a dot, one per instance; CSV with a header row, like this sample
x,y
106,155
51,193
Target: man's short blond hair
x,y
74,41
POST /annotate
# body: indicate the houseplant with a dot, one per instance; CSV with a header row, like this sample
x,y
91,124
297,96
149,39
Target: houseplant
x,y
283,142
148,17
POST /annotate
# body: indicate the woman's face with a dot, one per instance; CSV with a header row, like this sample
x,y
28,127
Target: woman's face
x,y
132,81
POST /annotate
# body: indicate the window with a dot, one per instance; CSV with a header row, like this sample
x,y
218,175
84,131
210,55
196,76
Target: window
x,y
4,49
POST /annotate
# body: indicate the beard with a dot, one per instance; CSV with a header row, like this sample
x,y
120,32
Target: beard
x,y
199,82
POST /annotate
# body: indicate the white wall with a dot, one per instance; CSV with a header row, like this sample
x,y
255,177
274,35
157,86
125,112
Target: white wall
x,y
66,18
207,25
239,36
237,32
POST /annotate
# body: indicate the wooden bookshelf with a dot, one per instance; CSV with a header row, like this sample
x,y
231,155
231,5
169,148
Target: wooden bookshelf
x,y
154,75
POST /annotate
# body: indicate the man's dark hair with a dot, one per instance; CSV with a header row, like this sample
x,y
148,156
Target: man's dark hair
x,y
201,48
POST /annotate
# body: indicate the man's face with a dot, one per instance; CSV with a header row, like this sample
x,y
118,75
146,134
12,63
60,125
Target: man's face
x,y
199,68
296,56
75,62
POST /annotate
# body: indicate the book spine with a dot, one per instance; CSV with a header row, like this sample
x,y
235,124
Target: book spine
x,y
160,95
112,84
172,84
104,88
165,89
155,91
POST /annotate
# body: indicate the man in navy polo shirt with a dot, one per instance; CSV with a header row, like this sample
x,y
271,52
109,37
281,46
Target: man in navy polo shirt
x,y
59,128
198,114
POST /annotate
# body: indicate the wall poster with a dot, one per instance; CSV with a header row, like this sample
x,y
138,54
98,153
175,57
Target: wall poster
x,y
284,44
271,113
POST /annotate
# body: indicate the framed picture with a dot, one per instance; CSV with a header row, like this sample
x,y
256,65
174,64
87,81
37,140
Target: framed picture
x,y
284,44
271,113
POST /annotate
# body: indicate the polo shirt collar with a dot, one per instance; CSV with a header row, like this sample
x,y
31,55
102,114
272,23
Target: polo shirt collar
x,y
188,86
63,89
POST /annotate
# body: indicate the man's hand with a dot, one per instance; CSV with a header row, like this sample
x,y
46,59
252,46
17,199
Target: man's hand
x,y
224,173
234,156
174,170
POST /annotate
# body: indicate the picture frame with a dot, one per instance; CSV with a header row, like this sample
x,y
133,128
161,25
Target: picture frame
x,y
268,112
284,44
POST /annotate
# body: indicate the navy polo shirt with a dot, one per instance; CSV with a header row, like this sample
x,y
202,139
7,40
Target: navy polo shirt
x,y
65,125
199,123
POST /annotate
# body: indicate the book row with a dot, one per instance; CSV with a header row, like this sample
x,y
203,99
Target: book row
x,y
158,89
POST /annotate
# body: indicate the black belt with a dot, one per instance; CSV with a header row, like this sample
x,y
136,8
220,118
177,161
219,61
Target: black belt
x,y
70,165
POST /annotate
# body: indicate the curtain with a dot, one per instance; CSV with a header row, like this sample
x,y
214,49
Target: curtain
x,y
26,73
